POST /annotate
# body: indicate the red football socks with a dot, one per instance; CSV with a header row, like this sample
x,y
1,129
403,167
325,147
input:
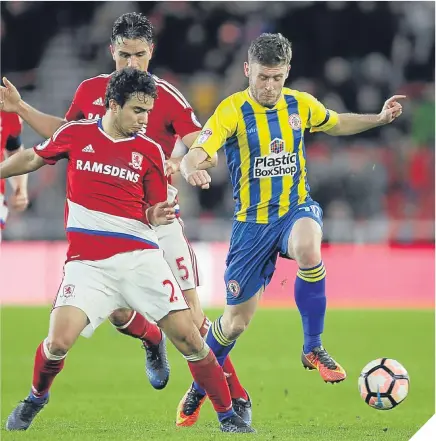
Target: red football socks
x,y
139,327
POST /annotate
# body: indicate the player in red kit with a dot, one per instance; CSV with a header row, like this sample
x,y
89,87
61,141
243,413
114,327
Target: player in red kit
x,y
10,131
113,258
172,116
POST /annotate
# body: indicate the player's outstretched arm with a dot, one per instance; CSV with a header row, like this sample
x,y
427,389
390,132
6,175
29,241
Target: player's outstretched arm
x,y
21,163
162,213
11,102
351,124
190,168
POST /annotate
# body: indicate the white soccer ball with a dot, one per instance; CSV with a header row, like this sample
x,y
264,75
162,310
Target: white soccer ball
x,y
383,383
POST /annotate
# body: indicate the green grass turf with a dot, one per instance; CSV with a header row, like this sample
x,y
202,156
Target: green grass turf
x,y
103,393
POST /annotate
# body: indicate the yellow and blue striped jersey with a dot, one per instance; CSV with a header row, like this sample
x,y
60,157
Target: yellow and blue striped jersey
x,y
265,150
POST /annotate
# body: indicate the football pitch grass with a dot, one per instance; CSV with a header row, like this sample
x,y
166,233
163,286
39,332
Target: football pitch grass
x,y
103,393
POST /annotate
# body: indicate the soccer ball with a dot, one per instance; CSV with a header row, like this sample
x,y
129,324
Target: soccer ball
x,y
383,383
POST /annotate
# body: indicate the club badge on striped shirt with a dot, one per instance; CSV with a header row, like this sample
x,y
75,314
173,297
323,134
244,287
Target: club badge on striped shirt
x,y
295,121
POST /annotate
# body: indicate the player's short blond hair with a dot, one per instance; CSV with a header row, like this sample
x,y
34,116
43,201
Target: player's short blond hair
x,y
270,50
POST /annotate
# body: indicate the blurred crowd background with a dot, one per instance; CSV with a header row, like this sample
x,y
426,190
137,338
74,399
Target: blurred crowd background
x,y
373,187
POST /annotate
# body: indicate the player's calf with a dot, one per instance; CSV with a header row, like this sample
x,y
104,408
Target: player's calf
x,y
49,361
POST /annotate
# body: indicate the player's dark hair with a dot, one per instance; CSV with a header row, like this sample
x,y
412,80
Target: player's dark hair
x,y
127,82
270,50
132,26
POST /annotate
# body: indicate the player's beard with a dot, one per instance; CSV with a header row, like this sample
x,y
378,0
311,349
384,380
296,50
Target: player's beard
x,y
257,95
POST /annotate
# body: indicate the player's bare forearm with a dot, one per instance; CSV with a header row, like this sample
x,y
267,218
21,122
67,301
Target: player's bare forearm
x,y
208,163
351,124
190,138
193,159
21,163
45,125
18,183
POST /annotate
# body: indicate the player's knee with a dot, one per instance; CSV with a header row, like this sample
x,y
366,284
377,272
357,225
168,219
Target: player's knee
x,y
59,345
120,316
307,253
234,327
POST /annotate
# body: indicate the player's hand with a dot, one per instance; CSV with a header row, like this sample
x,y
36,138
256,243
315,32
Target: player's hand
x,y
9,97
19,200
163,213
172,166
199,178
392,109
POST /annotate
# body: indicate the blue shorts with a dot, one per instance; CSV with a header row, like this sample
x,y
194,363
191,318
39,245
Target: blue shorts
x,y
254,248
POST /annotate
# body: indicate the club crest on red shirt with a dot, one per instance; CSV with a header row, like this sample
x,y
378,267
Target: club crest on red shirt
x,y
136,161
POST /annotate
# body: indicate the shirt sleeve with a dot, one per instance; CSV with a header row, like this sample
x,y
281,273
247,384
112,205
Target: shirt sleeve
x,y
57,147
219,127
185,122
75,113
182,116
320,118
155,181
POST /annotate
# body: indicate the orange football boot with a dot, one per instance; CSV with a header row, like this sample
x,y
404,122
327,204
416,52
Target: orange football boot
x,y
189,407
318,358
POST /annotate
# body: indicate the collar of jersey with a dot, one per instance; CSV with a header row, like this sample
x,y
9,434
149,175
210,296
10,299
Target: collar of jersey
x,y
100,127
281,103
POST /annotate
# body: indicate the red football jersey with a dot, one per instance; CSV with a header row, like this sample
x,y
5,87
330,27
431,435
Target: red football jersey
x,y
108,182
172,115
10,126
